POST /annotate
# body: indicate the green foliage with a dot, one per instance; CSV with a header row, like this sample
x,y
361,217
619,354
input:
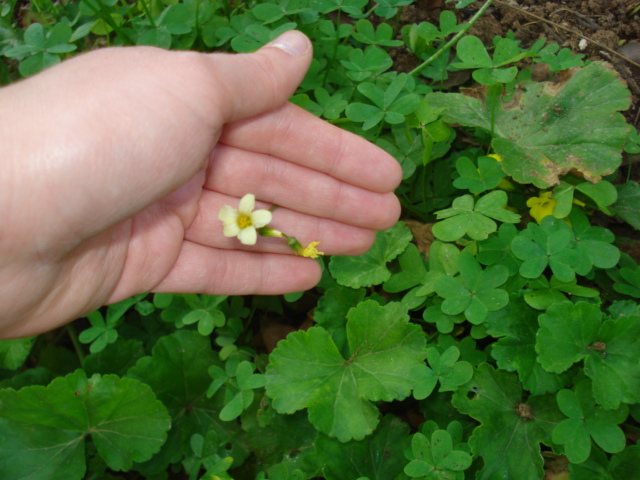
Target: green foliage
x,y
445,370
361,459
41,49
122,416
377,368
371,268
587,421
628,205
474,292
103,331
516,328
509,424
548,129
435,458
570,333
549,245
559,59
478,179
465,218
388,105
487,70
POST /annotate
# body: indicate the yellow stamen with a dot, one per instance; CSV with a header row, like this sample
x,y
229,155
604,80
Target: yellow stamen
x,y
244,221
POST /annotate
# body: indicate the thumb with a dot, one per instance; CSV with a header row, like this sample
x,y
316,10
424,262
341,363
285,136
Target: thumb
x,y
261,81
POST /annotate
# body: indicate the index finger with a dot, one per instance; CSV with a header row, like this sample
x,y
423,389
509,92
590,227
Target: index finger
x,y
297,136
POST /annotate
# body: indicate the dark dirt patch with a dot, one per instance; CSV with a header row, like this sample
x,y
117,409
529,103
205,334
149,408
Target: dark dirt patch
x,y
600,29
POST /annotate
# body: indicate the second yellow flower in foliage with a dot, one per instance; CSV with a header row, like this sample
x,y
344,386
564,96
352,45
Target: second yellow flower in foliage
x,y
541,206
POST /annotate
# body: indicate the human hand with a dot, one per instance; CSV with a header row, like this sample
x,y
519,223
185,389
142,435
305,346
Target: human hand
x,y
116,163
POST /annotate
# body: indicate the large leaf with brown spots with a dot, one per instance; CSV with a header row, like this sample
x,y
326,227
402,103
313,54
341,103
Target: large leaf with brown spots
x,y
550,128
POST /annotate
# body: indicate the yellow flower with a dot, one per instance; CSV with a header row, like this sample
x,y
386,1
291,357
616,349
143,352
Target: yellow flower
x,y
311,251
496,156
541,206
243,221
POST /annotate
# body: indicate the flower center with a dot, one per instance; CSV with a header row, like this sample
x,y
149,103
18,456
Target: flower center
x,y
244,221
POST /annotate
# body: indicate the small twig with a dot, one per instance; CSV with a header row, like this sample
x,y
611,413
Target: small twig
x,y
570,30
586,21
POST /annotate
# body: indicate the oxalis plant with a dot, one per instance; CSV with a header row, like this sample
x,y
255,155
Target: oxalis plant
x,y
492,333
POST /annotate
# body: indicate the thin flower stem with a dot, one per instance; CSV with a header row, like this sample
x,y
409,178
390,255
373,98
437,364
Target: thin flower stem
x,y
147,12
71,331
453,41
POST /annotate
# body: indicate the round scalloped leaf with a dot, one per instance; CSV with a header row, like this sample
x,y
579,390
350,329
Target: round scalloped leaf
x,y
549,129
370,268
307,370
44,428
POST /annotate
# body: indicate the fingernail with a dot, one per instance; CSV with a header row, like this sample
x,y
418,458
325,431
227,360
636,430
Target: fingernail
x,y
292,42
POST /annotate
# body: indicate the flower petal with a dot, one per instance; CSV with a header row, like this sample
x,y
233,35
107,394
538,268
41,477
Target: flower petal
x,y
228,214
231,230
260,218
247,204
248,236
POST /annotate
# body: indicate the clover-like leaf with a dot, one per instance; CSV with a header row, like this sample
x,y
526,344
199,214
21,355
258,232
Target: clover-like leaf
x,y
587,421
474,291
497,249
511,430
205,311
240,380
383,35
177,371
444,369
443,260
548,128
363,64
331,105
571,332
629,283
307,371
487,71
463,218
388,104
435,458
444,323
563,60
543,293
593,243
371,268
352,7
602,193
549,244
103,330
486,176
44,428
40,49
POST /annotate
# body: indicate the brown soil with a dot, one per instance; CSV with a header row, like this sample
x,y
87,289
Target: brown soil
x,y
611,29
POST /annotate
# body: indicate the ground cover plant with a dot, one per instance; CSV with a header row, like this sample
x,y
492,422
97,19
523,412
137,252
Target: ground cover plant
x,y
492,333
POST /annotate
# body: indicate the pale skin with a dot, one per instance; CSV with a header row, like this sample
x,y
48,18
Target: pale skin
x,y
115,165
